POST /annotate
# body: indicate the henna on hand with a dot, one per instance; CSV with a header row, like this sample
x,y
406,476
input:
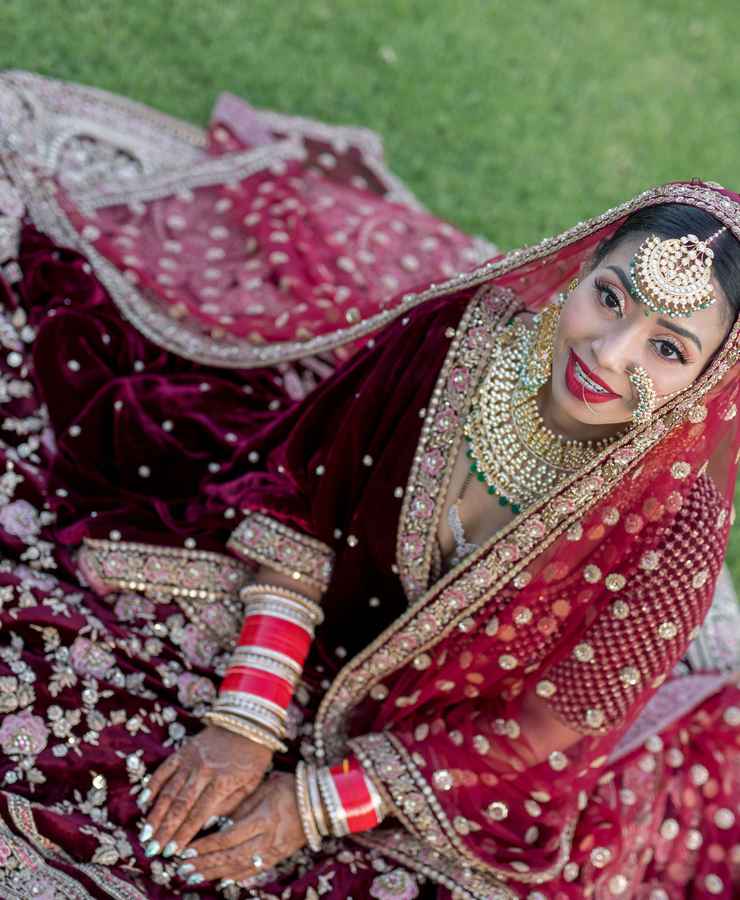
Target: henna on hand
x,y
267,823
210,775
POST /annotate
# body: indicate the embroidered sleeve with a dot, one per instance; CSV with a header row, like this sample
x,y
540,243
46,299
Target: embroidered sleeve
x,y
631,649
204,584
265,540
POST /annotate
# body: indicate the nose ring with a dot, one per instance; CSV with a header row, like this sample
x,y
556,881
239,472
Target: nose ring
x,y
646,395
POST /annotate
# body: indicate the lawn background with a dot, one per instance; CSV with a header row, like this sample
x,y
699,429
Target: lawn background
x,y
512,120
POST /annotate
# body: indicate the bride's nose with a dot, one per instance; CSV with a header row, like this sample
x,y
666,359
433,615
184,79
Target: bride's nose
x,y
615,349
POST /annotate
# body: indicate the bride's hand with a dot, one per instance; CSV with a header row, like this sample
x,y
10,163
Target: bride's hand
x,y
267,829
211,774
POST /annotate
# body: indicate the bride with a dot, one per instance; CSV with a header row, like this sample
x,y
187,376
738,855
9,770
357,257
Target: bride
x,y
337,561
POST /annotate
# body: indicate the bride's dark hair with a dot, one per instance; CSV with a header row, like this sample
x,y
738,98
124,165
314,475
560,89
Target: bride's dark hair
x,y
669,220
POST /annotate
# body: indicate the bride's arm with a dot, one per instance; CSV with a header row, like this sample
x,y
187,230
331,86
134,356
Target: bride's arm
x,y
269,576
215,771
303,493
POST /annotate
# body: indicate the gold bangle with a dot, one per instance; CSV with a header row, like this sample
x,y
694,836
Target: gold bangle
x,y
310,828
280,608
296,607
256,715
273,711
266,661
242,727
314,798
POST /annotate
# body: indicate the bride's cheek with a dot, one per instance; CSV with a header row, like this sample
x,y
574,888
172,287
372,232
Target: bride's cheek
x,y
568,327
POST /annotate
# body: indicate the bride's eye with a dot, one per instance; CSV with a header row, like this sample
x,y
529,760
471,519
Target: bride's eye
x,y
668,350
608,298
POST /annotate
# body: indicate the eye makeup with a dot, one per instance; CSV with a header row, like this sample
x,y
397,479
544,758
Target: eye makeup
x,y
606,290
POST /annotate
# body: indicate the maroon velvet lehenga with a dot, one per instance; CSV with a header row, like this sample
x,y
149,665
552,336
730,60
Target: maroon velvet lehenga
x,y
254,345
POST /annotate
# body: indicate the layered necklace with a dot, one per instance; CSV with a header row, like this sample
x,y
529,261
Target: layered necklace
x,y
510,448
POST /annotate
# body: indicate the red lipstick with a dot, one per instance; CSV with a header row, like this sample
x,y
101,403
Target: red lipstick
x,y
577,387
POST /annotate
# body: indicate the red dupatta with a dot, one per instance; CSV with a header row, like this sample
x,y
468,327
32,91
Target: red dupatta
x,y
586,601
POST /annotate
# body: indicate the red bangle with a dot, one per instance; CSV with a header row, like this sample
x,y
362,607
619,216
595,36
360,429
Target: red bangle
x,y
354,794
261,684
276,634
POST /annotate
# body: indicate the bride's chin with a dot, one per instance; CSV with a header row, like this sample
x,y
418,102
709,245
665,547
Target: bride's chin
x,y
567,409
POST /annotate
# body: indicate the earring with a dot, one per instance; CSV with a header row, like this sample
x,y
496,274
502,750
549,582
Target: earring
x,y
573,285
538,364
646,396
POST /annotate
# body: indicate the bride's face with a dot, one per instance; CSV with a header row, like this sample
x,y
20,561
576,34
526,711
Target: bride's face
x,y
604,331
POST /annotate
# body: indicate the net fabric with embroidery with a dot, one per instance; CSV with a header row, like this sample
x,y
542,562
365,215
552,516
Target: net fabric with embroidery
x,y
610,665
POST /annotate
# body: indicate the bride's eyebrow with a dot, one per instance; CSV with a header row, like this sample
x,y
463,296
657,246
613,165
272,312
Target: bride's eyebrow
x,y
630,288
626,282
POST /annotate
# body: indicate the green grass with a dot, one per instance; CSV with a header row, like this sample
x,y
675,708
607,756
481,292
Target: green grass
x,y
512,120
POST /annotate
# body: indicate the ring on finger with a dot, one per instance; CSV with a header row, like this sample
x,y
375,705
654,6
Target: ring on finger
x,y
257,861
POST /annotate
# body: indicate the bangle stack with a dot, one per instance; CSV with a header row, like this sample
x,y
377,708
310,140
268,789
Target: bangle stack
x,y
267,663
336,801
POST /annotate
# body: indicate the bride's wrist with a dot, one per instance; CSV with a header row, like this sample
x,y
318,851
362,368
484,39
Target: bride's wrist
x,y
267,663
336,801
246,728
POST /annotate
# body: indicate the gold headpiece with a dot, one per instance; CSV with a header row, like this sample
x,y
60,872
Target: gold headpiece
x,y
673,276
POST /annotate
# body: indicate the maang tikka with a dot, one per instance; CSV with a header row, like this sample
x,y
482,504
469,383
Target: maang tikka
x,y
674,276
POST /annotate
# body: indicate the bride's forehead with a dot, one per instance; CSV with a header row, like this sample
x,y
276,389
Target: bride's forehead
x,y
712,322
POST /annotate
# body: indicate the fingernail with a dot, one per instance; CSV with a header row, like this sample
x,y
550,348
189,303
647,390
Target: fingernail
x,y
170,849
190,853
185,870
195,879
146,832
152,848
143,797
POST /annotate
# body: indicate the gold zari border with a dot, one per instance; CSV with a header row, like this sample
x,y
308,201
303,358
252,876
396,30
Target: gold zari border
x,y
305,559
464,883
34,853
204,584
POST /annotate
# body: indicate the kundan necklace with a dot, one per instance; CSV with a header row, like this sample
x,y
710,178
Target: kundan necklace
x,y
510,448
